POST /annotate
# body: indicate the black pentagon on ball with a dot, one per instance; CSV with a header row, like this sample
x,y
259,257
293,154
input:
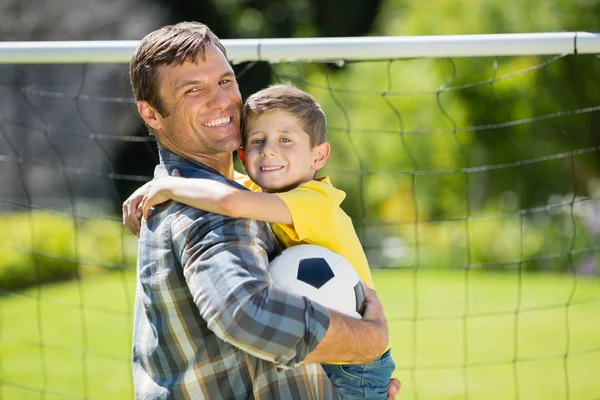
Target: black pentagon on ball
x,y
314,271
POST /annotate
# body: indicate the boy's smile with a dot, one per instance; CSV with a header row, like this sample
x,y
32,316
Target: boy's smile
x,y
278,151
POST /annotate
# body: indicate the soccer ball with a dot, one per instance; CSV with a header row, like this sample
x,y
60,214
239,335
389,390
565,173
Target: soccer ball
x,y
321,275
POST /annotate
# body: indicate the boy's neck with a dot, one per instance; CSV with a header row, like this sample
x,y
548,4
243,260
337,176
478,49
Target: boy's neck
x,y
288,188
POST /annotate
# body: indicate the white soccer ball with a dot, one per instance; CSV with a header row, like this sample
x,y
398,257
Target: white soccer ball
x,y
321,275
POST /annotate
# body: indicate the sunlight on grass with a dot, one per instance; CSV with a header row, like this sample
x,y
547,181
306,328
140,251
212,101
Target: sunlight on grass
x,y
491,335
488,335
73,342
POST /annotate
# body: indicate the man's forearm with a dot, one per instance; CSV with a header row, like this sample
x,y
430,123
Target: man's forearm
x,y
350,340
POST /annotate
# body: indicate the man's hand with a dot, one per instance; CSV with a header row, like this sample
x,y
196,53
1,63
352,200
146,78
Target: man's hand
x,y
353,340
374,315
374,310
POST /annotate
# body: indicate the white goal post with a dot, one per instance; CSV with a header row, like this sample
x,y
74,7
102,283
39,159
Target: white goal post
x,y
321,49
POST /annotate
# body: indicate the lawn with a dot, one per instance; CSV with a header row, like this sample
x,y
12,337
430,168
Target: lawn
x,y
454,336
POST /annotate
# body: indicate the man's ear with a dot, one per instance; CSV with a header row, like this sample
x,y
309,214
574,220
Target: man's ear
x,y
149,114
321,155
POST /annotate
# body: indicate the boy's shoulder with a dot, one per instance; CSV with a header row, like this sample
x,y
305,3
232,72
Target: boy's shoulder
x,y
324,187
321,182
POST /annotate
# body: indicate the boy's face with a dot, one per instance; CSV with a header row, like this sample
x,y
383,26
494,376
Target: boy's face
x,y
278,154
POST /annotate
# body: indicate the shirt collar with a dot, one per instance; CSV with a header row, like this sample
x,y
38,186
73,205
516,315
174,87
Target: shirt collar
x,y
187,168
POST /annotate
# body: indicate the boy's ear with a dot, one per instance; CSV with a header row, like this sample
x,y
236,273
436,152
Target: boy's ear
x,y
321,155
242,156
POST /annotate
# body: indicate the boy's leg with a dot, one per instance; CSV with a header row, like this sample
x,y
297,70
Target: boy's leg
x,y
362,382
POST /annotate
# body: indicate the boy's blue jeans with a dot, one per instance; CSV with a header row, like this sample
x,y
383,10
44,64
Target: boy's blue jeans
x,y
362,382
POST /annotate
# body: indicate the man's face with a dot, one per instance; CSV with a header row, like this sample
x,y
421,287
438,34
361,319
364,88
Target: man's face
x,y
202,105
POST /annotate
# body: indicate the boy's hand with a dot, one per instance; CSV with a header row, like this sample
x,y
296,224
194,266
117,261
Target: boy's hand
x,y
132,211
132,207
156,195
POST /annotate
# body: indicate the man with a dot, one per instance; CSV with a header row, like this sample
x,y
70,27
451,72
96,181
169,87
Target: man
x,y
208,323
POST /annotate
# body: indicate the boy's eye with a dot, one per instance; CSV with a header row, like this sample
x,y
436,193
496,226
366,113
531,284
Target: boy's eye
x,y
285,140
257,141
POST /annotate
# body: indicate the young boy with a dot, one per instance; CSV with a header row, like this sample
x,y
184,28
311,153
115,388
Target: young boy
x,y
284,146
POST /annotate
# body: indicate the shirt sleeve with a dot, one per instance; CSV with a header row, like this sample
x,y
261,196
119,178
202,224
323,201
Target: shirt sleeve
x,y
312,208
225,264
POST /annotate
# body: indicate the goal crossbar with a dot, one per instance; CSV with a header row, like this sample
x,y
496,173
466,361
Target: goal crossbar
x,y
320,49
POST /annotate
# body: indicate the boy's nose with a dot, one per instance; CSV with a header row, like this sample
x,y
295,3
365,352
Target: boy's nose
x,y
268,151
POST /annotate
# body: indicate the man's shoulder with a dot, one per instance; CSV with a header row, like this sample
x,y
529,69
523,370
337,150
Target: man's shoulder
x,y
174,216
179,219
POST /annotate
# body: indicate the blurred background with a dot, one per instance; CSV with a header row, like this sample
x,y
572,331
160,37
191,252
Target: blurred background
x,y
473,184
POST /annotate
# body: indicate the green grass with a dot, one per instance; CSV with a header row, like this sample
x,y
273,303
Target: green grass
x,y
70,350
66,348
453,355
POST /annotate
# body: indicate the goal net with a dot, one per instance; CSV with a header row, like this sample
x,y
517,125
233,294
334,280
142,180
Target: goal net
x,y
471,167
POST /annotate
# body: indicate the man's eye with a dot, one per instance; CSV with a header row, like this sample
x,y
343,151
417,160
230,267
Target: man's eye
x,y
192,90
224,81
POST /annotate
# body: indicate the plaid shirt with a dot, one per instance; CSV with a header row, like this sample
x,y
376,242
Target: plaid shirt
x,y
208,324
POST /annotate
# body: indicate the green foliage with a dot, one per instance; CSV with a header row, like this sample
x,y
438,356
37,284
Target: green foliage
x,y
411,17
462,141
556,242
40,247
390,122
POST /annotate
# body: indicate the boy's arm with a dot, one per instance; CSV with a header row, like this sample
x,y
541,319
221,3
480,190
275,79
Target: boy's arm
x,y
219,198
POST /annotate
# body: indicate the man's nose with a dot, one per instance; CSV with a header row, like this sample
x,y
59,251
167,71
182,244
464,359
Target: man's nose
x,y
219,100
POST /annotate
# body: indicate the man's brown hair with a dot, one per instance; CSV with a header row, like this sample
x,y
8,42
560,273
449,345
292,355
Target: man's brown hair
x,y
172,44
297,102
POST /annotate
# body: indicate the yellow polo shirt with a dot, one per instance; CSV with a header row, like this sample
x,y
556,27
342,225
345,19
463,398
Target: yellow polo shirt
x,y
318,219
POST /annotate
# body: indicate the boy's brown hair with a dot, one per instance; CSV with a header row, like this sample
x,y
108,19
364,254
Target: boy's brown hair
x,y
297,102
171,44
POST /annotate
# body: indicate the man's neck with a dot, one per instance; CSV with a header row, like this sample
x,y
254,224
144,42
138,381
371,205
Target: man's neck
x,y
220,162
